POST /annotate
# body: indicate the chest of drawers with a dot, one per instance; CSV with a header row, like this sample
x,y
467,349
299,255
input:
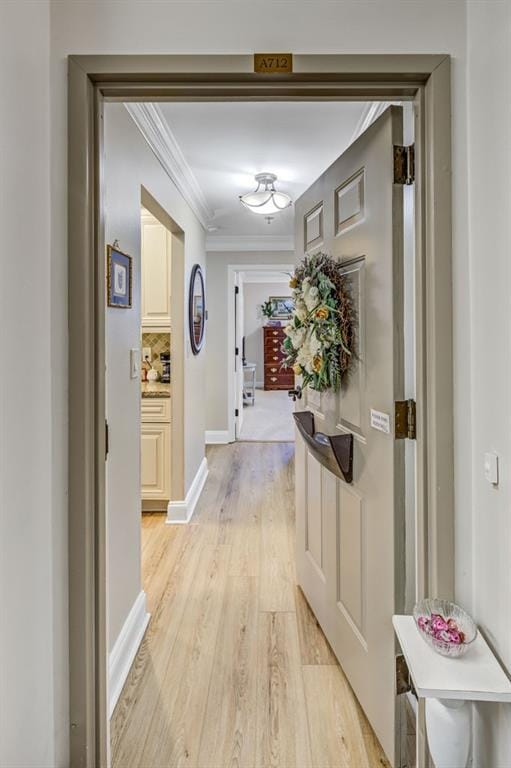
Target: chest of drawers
x,y
275,376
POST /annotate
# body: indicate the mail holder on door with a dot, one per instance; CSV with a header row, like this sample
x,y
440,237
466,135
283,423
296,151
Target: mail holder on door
x,y
335,452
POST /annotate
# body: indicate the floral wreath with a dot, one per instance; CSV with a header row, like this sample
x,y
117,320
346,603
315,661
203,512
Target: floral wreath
x,y
320,337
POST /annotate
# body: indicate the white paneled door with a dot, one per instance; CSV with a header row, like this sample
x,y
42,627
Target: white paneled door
x,y
350,551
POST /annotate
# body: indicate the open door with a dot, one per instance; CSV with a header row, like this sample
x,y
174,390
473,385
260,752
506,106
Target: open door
x,y
350,537
238,353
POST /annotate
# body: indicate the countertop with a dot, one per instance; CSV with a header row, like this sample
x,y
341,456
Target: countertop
x,y
154,389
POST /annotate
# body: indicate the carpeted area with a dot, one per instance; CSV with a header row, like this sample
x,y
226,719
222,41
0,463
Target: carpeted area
x,y
269,419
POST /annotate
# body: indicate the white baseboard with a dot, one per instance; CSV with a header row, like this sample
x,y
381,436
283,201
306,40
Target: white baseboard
x,y
125,649
182,511
216,436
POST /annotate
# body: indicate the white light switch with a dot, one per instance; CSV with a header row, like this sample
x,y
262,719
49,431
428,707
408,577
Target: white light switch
x,y
491,468
134,363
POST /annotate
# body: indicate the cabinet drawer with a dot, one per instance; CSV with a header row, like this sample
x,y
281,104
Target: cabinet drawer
x,y
273,356
271,343
155,409
273,333
271,369
286,379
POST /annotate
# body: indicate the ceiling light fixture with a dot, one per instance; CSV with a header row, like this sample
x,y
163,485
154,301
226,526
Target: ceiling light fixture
x,y
266,200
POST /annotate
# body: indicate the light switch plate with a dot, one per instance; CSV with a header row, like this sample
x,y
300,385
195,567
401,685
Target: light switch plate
x,y
491,468
134,363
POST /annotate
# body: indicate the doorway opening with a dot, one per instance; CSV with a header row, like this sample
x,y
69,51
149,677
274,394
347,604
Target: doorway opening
x,y
406,84
260,305
260,309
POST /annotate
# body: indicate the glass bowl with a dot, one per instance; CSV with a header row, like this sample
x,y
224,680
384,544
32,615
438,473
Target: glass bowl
x,y
446,627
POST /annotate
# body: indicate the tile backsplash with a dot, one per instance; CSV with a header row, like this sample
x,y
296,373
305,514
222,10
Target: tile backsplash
x,y
159,342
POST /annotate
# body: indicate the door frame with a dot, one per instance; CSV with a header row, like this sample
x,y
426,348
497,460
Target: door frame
x,y
232,271
92,80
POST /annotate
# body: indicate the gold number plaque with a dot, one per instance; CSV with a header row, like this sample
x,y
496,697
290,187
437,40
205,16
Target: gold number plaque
x,y
273,63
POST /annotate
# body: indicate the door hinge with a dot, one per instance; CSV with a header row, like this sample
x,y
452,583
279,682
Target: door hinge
x,y
236,289
236,412
107,440
403,684
404,164
405,420
236,350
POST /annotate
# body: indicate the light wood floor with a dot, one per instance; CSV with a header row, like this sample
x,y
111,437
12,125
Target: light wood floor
x,y
234,671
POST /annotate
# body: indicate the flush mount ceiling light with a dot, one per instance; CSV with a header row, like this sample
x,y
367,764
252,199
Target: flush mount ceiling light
x,y
266,200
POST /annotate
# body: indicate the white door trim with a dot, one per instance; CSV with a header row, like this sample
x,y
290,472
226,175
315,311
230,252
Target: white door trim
x,y
92,80
232,270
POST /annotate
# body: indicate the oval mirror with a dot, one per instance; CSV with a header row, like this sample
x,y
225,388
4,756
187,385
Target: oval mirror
x,y
197,309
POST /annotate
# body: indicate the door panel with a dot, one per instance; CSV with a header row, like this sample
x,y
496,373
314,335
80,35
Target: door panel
x,y
314,514
351,406
351,545
349,202
352,583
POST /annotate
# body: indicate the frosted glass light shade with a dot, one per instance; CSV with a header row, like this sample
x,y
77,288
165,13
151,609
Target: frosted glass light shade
x,y
266,200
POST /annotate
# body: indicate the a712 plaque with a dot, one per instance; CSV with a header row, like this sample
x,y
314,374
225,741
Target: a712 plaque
x,y
273,63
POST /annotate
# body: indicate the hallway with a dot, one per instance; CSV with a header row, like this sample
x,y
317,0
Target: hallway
x,y
270,419
234,670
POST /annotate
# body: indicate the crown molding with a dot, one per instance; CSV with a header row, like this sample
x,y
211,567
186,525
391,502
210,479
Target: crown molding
x,y
250,243
153,126
265,276
371,112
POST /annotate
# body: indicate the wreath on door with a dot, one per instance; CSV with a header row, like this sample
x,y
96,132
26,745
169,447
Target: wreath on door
x,y
320,339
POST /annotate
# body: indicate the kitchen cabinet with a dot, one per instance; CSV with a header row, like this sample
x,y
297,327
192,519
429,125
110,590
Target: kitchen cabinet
x,y
155,267
155,449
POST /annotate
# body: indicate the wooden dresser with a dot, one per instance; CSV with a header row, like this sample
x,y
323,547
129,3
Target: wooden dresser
x,y
275,377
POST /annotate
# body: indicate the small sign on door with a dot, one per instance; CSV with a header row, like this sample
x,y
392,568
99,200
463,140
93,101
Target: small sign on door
x,y
380,421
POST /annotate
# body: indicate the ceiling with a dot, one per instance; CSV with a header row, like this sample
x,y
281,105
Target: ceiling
x,y
221,146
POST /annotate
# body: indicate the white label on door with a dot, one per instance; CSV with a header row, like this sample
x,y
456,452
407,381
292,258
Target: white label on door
x,y
380,421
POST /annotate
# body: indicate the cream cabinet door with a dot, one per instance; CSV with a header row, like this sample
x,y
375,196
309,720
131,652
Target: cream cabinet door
x,y
350,552
155,461
156,255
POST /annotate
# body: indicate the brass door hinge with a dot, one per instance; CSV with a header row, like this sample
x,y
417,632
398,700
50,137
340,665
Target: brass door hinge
x,y
403,684
404,164
405,420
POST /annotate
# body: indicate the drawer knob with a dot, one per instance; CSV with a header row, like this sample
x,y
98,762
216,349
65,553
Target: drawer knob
x,y
275,358
275,333
274,370
273,378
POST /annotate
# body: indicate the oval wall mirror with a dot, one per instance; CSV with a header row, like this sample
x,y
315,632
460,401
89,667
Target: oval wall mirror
x,y
197,309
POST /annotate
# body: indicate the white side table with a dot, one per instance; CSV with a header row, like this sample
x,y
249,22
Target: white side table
x,y
444,686
249,389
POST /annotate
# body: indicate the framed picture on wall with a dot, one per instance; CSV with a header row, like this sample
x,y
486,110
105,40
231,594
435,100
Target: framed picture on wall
x,y
119,278
282,306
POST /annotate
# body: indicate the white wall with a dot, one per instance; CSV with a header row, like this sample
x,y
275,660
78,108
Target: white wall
x,y
254,294
33,565
130,164
216,340
488,586
35,527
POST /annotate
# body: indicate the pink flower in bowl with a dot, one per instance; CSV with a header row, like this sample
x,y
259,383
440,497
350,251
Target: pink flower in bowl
x,y
446,627
438,623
